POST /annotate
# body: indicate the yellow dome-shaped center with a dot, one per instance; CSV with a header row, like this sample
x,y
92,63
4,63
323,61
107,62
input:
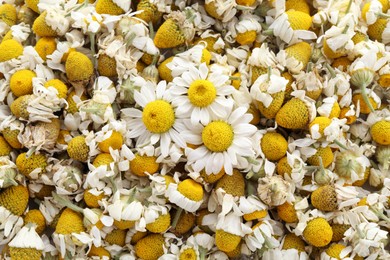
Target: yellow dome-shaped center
x,y
158,116
202,93
217,136
191,189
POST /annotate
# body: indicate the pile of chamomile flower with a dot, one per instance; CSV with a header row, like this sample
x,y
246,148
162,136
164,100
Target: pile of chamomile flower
x,y
216,129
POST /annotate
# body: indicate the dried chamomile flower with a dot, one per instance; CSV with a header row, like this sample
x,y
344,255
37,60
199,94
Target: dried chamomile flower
x,y
176,30
318,232
10,49
13,202
273,190
26,244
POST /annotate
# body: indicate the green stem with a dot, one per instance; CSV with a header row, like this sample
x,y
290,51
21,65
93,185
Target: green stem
x,y
349,6
252,160
250,189
268,32
92,42
113,184
244,8
130,39
11,181
269,73
330,69
177,217
345,29
31,151
66,203
382,15
340,144
322,166
151,30
365,97
202,253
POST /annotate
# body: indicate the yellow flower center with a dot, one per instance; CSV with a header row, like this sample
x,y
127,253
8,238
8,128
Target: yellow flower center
x,y
188,254
158,116
202,93
191,189
217,136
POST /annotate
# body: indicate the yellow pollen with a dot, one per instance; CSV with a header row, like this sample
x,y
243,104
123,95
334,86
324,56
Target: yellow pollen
x,y
217,136
202,93
158,116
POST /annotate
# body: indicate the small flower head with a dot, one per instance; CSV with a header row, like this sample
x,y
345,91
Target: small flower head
x,y
325,198
36,217
380,132
78,149
287,212
160,224
273,190
335,251
14,199
45,46
318,232
293,115
142,164
31,166
106,66
323,153
59,85
109,7
188,194
115,141
274,146
69,222
291,241
21,82
78,67
26,244
8,14
150,247
175,31
232,184
10,49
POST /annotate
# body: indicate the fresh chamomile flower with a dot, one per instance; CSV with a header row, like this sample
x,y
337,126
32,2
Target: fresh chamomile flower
x,y
157,122
201,95
222,142
26,244
187,194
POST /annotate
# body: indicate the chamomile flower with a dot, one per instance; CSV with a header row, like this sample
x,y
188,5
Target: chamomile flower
x,y
187,194
222,142
367,239
201,95
157,122
291,25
